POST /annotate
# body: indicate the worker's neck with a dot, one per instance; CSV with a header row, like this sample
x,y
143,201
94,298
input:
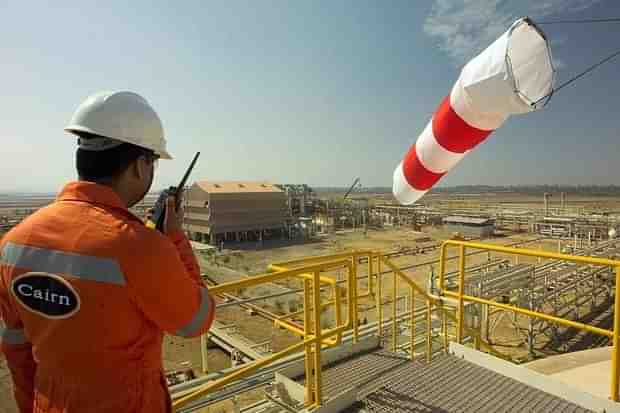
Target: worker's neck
x,y
123,193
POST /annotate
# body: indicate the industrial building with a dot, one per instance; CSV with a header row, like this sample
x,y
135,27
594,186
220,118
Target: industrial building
x,y
469,226
582,227
235,211
299,199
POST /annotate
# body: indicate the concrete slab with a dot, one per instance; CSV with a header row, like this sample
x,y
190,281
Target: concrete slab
x,y
572,388
595,378
563,362
587,370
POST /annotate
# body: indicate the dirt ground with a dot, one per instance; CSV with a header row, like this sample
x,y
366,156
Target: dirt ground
x,y
7,402
389,240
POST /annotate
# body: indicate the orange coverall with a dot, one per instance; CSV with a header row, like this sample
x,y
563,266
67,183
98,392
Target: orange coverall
x,y
86,293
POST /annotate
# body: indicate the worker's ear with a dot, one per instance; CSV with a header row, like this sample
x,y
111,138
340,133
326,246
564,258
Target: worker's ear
x,y
141,168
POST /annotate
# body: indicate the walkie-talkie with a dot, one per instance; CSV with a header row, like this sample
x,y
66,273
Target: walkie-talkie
x,y
159,213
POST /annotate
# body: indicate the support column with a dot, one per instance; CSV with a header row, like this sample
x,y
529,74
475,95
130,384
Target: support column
x,y
484,322
204,353
615,354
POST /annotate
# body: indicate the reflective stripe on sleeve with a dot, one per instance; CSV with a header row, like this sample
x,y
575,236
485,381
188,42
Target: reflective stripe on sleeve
x,y
199,318
106,270
12,336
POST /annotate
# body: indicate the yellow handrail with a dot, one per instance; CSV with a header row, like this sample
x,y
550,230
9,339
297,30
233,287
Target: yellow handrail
x,y
322,258
462,297
414,289
355,255
476,334
314,337
275,276
293,328
408,280
313,334
412,322
394,322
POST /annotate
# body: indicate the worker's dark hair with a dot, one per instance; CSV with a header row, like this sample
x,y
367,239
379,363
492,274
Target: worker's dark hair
x,y
98,166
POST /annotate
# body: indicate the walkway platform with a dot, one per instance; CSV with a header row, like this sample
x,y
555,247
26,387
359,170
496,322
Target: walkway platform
x,y
377,380
451,384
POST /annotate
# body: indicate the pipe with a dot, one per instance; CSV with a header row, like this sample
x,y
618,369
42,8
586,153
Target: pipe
x,y
546,317
615,355
307,349
459,333
318,333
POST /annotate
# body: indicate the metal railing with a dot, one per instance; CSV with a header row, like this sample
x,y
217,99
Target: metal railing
x,y
354,257
449,306
314,337
414,289
461,297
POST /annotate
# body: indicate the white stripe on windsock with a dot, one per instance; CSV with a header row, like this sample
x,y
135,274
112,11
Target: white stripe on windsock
x,y
461,103
432,155
405,193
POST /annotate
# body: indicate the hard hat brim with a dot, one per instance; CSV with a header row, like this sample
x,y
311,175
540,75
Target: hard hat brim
x,y
164,155
72,129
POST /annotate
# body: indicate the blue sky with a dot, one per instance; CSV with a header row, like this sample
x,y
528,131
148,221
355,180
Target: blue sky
x,y
315,92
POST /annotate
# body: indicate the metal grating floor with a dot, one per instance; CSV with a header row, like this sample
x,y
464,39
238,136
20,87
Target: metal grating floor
x,y
388,382
363,371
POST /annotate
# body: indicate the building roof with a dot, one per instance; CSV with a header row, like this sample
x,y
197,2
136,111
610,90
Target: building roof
x,y
466,220
230,187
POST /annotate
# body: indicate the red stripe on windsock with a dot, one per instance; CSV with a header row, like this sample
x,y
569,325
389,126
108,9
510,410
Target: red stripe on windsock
x,y
416,174
452,132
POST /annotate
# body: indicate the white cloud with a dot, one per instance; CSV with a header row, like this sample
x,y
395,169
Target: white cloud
x,y
463,28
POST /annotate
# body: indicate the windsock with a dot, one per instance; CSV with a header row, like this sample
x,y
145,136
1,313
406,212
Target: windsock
x,y
509,77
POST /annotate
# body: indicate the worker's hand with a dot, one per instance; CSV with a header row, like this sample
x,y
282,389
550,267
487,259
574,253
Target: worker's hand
x,y
174,217
149,215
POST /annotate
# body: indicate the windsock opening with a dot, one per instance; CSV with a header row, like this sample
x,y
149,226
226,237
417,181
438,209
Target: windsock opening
x,y
529,60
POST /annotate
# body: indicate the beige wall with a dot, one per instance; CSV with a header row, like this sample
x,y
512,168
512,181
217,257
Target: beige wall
x,y
231,212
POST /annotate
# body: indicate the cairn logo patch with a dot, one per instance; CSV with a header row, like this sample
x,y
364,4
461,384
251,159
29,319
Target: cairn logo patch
x,y
46,294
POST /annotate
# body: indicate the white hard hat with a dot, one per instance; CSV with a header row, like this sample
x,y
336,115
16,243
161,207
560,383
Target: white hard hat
x,y
123,116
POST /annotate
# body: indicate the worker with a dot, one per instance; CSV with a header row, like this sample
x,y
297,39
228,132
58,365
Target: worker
x,y
87,291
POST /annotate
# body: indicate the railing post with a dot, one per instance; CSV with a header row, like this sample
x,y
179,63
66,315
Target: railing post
x,y
615,356
308,347
353,302
394,295
442,266
429,331
338,304
379,297
444,326
318,338
350,293
461,319
412,320
370,268
204,353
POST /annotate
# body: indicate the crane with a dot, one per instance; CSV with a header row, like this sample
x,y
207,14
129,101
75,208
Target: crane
x,y
357,180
